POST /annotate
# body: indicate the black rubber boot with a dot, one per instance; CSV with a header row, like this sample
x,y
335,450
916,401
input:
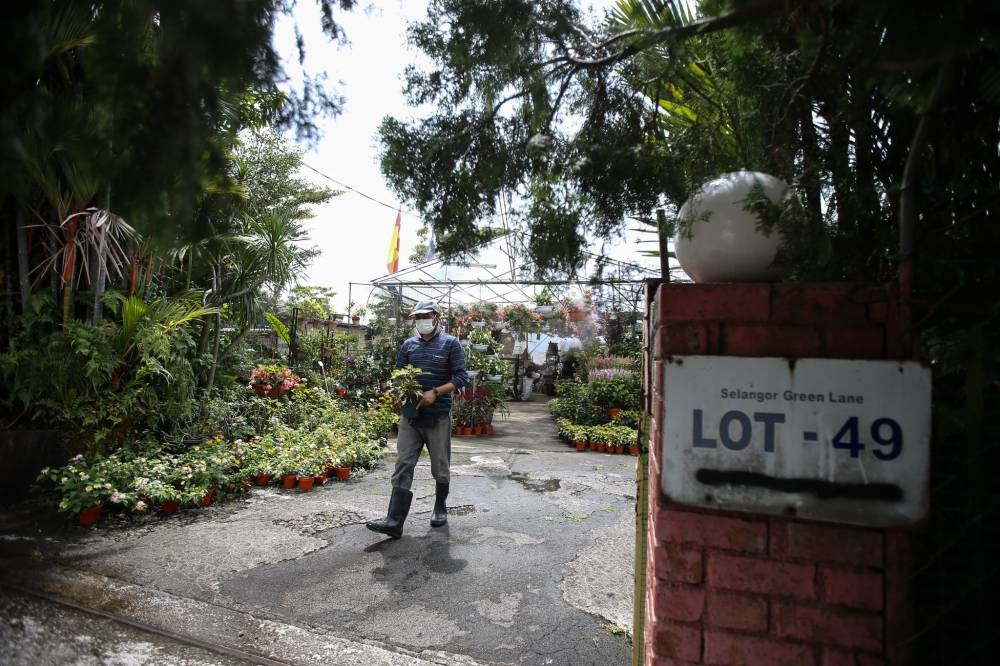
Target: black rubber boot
x,y
440,514
399,506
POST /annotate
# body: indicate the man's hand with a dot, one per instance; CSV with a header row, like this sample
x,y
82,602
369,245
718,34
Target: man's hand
x,y
428,399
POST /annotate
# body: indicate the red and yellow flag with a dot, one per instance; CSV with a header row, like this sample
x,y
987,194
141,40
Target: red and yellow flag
x,y
392,259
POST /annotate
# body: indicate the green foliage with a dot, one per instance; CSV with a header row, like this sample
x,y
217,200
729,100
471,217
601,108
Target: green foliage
x,y
405,387
312,302
279,327
103,99
103,384
79,485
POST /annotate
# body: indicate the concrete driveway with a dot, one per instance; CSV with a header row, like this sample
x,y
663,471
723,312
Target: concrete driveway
x,y
534,567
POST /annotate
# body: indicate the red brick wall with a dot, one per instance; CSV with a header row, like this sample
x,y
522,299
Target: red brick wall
x,y
750,589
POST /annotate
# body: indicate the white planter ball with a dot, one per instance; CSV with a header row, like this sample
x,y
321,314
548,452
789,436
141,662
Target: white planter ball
x,y
724,244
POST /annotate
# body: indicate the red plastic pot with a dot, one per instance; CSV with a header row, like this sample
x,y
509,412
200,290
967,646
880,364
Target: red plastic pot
x,y
91,515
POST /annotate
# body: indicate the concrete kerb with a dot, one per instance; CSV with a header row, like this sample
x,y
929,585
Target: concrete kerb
x,y
207,622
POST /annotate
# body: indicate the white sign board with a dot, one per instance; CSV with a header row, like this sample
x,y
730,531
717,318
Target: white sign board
x,y
837,440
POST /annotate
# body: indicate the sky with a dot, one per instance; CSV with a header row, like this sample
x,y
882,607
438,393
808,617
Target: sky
x,y
353,230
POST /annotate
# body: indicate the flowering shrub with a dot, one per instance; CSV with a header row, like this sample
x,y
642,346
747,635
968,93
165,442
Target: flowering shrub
x,y
275,376
610,373
520,318
80,484
613,362
614,382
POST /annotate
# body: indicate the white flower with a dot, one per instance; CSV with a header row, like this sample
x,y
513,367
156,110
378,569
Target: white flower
x,y
78,456
116,497
140,506
84,476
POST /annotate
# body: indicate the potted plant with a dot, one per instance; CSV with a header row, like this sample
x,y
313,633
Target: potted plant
x,y
273,380
545,303
481,340
520,318
405,390
356,313
80,487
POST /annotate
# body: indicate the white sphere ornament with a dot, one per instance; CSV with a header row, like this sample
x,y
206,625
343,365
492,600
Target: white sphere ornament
x,y
718,239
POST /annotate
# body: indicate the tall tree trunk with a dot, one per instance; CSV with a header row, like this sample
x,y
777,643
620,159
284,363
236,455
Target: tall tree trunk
x,y
99,276
23,260
69,266
811,167
216,286
215,351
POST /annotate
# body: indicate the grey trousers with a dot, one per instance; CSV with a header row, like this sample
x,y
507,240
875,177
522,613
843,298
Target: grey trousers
x,y
410,441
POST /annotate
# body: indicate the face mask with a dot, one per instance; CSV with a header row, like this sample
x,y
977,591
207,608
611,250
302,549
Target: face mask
x,y
425,326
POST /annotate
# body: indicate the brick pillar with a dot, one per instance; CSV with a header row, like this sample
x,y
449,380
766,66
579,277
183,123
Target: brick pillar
x,y
741,588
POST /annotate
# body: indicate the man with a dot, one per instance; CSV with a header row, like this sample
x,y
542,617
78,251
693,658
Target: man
x,y
441,358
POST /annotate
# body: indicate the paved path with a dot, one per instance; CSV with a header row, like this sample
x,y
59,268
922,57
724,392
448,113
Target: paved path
x,y
535,566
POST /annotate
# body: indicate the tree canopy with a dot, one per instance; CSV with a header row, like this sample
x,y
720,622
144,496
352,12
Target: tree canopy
x,y
133,105
582,124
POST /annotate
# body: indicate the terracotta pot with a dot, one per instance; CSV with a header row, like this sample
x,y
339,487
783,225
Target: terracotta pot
x,y
477,430
170,506
91,515
614,412
619,449
319,479
305,483
467,430
341,391
489,428
206,499
634,450
458,430
262,479
343,473
581,445
265,392
288,481
600,446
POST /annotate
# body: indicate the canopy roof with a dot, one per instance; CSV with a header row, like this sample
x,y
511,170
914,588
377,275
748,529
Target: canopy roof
x,y
616,284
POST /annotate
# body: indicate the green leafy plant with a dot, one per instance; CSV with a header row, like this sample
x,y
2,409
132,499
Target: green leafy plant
x,y
544,297
404,387
279,327
78,485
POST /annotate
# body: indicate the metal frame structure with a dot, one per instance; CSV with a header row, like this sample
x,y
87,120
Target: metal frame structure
x,y
501,286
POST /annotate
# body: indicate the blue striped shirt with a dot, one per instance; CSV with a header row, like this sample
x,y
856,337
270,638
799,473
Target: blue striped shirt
x,y
442,360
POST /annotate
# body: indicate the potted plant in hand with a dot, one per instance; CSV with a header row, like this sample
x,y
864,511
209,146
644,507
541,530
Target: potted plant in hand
x,y
405,390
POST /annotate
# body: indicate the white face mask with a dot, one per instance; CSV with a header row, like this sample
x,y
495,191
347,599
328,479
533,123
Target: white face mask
x,y
425,326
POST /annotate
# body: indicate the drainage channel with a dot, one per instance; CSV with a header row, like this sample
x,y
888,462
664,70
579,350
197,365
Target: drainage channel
x,y
142,626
